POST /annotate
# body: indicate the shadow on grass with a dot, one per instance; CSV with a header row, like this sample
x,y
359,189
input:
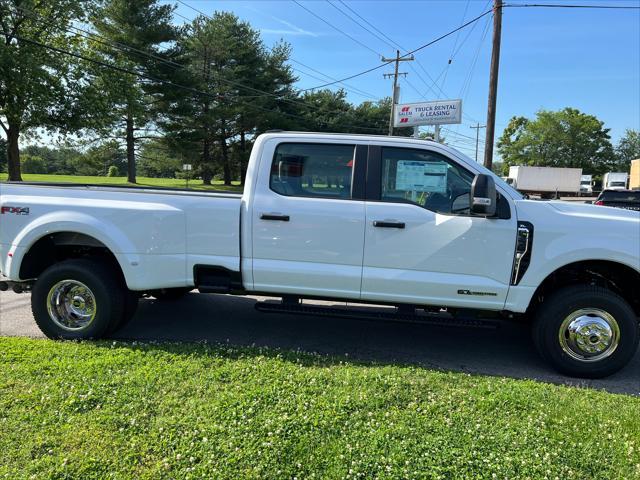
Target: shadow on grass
x,y
234,322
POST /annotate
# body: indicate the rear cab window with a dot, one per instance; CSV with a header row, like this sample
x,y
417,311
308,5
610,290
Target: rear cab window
x,y
313,170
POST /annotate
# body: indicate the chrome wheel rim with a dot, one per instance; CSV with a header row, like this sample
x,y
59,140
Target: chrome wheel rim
x,y
71,305
589,335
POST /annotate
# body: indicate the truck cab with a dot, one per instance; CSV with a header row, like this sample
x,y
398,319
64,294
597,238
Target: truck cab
x,y
586,185
615,181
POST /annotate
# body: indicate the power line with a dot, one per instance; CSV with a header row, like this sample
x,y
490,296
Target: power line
x,y
441,37
389,41
121,47
167,82
344,79
557,5
336,28
455,44
360,25
334,81
392,43
347,87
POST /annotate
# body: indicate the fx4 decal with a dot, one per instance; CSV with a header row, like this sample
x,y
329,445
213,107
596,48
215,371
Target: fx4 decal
x,y
14,210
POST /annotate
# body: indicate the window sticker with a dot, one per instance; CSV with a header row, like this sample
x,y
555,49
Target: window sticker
x,y
412,176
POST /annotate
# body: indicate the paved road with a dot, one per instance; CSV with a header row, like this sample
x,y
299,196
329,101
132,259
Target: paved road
x,y
506,351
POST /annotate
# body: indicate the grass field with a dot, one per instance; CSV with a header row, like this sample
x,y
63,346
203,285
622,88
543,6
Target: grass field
x,y
122,181
154,411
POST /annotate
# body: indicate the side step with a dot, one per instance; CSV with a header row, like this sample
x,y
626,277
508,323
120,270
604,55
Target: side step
x,y
443,319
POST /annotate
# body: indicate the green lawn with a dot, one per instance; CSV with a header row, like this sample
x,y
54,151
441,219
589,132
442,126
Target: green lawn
x,y
122,181
152,411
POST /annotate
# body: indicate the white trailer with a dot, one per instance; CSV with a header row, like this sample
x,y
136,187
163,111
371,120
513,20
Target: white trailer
x,y
615,181
545,181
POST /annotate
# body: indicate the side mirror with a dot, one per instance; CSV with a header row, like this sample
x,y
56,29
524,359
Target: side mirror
x,y
483,195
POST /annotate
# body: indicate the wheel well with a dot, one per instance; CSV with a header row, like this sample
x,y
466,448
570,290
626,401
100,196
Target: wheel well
x,y
60,246
614,276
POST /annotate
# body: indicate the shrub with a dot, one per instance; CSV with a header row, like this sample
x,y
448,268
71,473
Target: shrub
x,y
113,171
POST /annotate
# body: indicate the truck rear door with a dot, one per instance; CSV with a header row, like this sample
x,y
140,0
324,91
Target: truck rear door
x,y
308,218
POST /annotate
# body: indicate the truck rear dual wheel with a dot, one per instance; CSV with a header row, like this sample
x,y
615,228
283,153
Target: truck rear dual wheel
x,y
586,331
81,299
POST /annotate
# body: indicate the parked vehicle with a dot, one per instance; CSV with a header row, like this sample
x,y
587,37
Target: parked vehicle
x,y
393,221
546,181
628,199
586,185
634,175
615,181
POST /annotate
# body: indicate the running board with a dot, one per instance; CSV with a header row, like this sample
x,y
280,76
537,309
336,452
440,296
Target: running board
x,y
366,313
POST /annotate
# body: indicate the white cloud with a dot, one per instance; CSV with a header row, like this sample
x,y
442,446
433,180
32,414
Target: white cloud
x,y
291,30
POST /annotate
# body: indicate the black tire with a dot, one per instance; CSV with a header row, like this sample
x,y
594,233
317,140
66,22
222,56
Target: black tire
x,y
103,284
130,307
170,294
562,305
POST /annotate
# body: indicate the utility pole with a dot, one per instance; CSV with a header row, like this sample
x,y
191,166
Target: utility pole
x,y
493,83
478,127
394,98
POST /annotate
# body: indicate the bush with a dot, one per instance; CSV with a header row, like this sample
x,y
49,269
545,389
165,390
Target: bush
x,y
113,171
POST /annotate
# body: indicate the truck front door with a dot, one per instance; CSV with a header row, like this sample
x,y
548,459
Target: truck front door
x,y
422,245
308,219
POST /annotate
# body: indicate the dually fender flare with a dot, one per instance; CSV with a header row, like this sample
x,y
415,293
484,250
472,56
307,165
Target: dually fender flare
x,y
68,221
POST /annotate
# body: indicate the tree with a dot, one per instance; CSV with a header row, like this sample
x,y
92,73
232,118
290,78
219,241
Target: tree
x,y
33,164
3,155
566,138
135,31
156,160
39,87
628,149
235,88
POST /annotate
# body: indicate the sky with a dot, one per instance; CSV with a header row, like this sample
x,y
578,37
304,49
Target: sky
x,y
551,58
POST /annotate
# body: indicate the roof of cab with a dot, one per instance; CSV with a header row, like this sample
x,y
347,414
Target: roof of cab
x,y
354,136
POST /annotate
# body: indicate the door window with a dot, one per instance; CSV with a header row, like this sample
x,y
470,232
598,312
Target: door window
x,y
425,178
313,170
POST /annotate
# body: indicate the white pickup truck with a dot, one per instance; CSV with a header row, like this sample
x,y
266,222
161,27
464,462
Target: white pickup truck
x,y
375,220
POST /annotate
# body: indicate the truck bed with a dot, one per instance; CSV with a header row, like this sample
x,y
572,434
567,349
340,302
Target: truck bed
x,y
157,235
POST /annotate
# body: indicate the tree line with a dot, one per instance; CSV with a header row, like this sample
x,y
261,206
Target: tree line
x,y
129,88
121,76
566,138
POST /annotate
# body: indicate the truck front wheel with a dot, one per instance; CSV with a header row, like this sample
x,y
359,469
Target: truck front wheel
x,y
77,299
586,331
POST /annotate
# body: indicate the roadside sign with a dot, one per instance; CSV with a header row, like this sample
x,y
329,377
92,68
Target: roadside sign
x,y
186,167
439,112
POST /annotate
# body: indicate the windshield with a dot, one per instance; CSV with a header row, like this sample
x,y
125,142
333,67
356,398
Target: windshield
x,y
618,184
499,181
585,182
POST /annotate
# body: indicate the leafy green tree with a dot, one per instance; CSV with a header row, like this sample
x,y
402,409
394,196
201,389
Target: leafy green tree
x,y
156,160
628,149
39,87
136,31
566,138
236,88
33,164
